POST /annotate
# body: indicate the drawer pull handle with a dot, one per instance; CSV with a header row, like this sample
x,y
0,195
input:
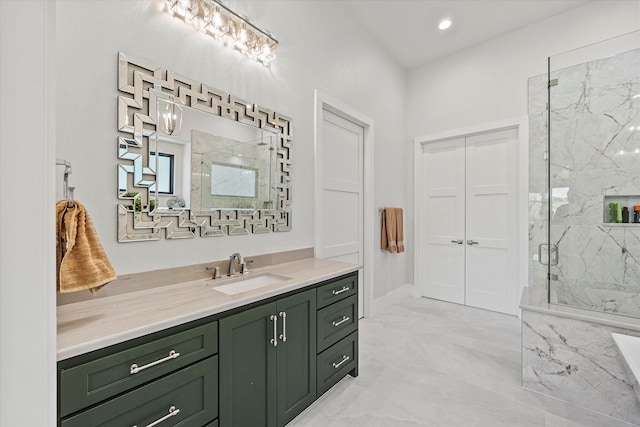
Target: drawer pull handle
x,y
274,340
344,360
173,411
283,336
338,292
341,321
135,368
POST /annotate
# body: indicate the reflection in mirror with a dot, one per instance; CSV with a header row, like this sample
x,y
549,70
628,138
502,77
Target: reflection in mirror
x,y
205,162
233,173
197,161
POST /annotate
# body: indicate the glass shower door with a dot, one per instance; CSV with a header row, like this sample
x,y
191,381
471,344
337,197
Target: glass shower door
x,y
594,177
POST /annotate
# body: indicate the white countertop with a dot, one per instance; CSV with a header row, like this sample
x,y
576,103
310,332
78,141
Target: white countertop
x,y
94,324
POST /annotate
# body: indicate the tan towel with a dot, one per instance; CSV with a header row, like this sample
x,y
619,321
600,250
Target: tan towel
x,y
392,236
80,259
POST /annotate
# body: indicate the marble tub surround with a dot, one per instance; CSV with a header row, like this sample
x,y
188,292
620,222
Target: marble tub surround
x,y
629,347
578,362
89,325
152,279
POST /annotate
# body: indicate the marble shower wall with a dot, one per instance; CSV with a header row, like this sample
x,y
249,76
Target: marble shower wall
x,y
260,158
595,152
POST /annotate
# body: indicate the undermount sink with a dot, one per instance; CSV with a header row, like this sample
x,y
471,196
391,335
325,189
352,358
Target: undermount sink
x,y
246,284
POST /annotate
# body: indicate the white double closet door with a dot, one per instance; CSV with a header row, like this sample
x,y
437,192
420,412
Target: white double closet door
x,y
469,217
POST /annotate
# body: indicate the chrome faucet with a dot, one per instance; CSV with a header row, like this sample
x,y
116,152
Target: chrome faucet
x,y
232,264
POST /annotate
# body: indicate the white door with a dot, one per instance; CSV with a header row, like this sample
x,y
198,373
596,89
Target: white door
x,y
342,193
491,217
469,220
443,207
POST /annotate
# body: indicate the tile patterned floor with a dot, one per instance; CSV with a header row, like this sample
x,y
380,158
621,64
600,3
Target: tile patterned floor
x,y
434,364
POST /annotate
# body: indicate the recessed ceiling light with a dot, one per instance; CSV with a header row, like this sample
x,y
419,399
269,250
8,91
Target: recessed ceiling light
x,y
444,24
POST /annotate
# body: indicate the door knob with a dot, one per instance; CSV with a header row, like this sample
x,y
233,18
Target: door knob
x,y
458,242
472,242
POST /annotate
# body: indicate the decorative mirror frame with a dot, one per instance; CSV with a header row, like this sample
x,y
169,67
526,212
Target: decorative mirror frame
x,y
136,221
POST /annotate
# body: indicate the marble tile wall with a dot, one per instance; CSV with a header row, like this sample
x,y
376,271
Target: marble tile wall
x,y
595,152
577,362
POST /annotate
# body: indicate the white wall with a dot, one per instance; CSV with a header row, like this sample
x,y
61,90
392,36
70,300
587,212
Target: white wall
x,y
27,236
320,48
488,83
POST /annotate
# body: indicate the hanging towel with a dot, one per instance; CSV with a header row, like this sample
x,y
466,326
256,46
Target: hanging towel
x,y
392,236
80,259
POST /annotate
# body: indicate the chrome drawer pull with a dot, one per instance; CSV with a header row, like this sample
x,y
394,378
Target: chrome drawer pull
x,y
340,322
344,289
283,336
274,340
344,360
173,411
135,369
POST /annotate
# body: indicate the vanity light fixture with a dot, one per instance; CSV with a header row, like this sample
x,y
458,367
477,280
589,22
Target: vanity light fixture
x,y
232,29
170,117
444,24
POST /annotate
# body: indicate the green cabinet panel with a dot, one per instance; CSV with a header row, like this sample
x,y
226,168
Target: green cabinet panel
x,y
336,321
94,381
248,368
191,394
296,361
337,361
268,362
337,289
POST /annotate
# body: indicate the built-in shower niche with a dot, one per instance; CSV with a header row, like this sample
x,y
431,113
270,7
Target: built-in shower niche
x,y
622,210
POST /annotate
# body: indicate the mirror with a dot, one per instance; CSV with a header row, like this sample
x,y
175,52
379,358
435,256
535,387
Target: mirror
x,y
197,161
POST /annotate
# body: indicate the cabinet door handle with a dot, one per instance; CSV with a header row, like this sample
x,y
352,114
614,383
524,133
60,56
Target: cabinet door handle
x,y
472,242
173,411
134,369
283,337
344,360
458,242
338,292
337,323
274,340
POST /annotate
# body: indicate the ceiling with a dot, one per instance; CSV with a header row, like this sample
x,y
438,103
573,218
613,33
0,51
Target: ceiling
x,y
408,29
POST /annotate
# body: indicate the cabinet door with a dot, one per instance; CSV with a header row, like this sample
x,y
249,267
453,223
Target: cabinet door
x,y
296,373
248,368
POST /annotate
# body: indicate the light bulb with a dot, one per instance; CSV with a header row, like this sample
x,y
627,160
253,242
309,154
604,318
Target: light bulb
x,y
444,24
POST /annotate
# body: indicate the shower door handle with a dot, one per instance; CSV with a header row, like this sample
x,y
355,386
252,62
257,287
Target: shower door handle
x,y
552,251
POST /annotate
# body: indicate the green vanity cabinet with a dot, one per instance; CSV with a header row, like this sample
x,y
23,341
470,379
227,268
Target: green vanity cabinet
x,y
337,331
253,366
268,362
186,398
169,375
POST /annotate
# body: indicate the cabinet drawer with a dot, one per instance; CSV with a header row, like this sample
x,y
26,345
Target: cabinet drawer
x,y
336,321
191,394
102,378
336,362
337,290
